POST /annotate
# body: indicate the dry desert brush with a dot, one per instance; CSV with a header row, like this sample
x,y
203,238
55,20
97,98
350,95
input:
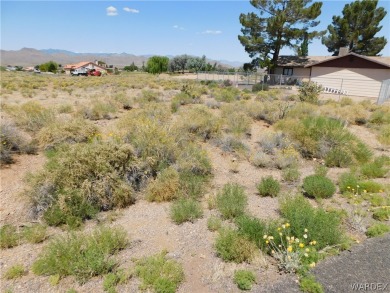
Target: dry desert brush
x,y
13,141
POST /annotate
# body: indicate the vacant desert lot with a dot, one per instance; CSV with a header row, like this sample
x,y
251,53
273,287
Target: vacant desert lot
x,y
137,182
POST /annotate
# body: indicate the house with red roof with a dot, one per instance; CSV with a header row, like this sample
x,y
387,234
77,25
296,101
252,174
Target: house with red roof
x,y
88,65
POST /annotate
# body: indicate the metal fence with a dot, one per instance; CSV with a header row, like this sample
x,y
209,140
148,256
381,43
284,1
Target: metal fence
x,y
336,86
384,93
251,78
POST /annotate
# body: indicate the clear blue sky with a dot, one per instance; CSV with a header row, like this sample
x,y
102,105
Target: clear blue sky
x,y
143,27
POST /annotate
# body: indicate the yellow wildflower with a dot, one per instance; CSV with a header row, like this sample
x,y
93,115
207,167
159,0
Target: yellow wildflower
x,y
279,228
314,242
307,249
287,225
312,265
266,241
301,245
289,249
306,255
265,237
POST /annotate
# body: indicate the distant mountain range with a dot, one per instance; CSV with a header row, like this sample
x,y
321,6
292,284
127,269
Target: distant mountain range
x,y
31,57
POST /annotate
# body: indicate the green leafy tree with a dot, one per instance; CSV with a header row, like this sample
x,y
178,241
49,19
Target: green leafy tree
x,y
157,64
303,49
196,63
178,63
131,67
50,66
280,23
356,29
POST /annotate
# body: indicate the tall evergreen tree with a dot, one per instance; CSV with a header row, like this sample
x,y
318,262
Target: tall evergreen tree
x,y
280,23
356,29
303,49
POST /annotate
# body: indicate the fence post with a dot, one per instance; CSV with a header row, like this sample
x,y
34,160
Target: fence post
x,y
341,88
280,80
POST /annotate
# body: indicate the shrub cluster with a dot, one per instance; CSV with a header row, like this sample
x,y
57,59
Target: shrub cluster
x,y
231,201
72,131
81,255
10,236
268,187
232,247
159,273
12,141
83,178
244,279
186,210
309,92
326,138
318,186
324,226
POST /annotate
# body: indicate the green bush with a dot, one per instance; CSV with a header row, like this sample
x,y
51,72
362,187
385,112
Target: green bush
x,y
186,210
377,200
291,174
309,92
268,187
326,138
192,159
348,182
227,95
324,227
71,209
82,256
232,247
375,169
110,282
260,87
16,271
308,284
378,229
214,223
253,228
159,273
338,157
369,186
193,185
183,99
35,233
9,236
384,134
244,279
165,187
318,186
231,201
381,213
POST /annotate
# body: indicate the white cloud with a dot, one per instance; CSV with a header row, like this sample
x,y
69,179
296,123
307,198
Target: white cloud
x,y
211,32
178,27
130,10
111,11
